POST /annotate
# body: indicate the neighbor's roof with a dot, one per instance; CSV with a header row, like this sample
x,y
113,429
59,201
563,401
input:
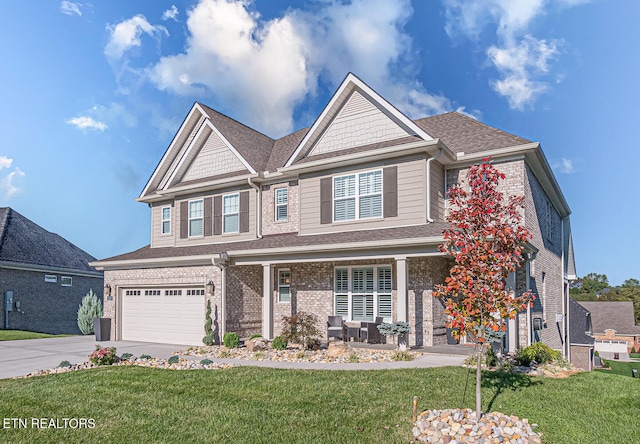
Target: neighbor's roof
x,y
612,315
24,242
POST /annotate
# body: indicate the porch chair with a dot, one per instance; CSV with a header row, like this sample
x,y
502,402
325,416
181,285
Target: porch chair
x,y
335,328
369,332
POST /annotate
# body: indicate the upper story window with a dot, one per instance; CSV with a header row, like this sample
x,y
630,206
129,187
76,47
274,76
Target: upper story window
x,y
231,213
52,278
282,199
166,220
357,196
66,281
196,217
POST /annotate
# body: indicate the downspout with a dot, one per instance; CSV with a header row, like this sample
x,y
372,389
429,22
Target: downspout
x,y
429,219
565,300
258,207
221,263
528,287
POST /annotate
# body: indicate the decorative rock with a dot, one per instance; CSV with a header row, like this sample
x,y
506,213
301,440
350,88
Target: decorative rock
x,y
257,344
337,349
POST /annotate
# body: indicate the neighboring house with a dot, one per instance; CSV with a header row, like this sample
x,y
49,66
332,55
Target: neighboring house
x,y
580,336
614,327
343,218
43,277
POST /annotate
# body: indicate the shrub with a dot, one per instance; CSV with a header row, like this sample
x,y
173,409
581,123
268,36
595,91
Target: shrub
x,y
279,343
224,354
209,337
174,359
255,335
258,356
353,358
395,329
301,355
145,357
103,355
538,352
301,328
206,362
491,359
402,355
126,356
64,364
231,340
89,308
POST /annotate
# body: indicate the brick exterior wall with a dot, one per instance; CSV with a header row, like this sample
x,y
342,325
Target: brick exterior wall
x,y
269,223
582,357
244,300
45,307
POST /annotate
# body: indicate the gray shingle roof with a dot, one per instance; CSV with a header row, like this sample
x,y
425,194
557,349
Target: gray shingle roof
x,y
615,315
25,242
578,327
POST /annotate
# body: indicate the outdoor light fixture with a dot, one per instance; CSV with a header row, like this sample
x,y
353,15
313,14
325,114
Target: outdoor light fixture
x,y
107,292
211,287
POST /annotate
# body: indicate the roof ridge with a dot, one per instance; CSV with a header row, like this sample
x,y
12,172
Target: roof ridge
x,y
235,121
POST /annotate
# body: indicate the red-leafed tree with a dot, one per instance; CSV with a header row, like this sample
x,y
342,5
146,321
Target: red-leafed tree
x,y
486,238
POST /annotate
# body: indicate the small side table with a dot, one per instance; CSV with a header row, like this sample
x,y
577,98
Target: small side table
x,y
353,332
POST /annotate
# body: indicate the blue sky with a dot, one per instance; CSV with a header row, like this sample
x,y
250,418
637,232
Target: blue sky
x,y
92,94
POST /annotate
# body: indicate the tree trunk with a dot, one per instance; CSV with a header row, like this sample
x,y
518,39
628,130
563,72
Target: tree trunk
x,y
478,381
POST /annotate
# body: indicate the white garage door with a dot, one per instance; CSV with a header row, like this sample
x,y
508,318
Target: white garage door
x,y
167,315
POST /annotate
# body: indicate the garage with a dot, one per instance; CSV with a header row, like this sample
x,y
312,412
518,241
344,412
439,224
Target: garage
x,y
164,315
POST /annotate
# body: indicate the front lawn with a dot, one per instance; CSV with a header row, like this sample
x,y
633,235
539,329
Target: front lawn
x,y
263,405
13,335
620,367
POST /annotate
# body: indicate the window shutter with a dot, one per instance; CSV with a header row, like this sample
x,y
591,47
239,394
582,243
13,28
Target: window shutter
x,y
208,212
184,220
390,188
244,212
326,192
217,215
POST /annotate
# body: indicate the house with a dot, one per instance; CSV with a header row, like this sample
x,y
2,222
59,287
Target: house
x,y
614,327
43,277
343,218
580,336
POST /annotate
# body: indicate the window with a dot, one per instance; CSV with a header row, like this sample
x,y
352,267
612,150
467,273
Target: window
x,y
231,213
282,199
50,278
196,217
166,220
66,281
284,286
549,223
173,292
357,196
199,292
363,293
152,292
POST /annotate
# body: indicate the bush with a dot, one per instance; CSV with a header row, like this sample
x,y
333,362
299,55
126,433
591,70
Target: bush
x,y
231,340
258,356
491,359
206,362
145,357
224,354
103,355
209,337
402,355
174,359
301,328
64,364
279,343
353,358
126,356
89,308
255,335
538,352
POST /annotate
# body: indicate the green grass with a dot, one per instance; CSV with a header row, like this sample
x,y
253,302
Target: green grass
x,y
13,335
621,368
634,355
262,405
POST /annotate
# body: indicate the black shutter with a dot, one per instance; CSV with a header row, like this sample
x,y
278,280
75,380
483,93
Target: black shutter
x,y
217,215
184,220
326,193
208,212
390,188
244,212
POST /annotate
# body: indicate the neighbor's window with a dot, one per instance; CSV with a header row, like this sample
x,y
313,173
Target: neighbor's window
x,y
284,285
282,198
50,278
230,212
66,281
166,220
363,293
196,217
357,196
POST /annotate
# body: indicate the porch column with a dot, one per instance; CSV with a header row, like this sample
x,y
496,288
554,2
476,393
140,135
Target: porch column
x,y
267,302
401,289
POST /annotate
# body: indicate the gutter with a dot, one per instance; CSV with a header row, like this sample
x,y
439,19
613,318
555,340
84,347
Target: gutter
x,y
258,207
429,219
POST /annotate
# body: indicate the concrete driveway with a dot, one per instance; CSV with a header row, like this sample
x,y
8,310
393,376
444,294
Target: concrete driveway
x,y
17,358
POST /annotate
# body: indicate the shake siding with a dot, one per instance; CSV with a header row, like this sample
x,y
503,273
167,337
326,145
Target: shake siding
x,y
212,159
411,200
183,142
157,238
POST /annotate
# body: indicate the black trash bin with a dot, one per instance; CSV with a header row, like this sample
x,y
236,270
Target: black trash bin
x,y
634,372
102,328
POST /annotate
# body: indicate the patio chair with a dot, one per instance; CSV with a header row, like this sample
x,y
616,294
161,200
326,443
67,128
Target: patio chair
x,y
335,328
369,332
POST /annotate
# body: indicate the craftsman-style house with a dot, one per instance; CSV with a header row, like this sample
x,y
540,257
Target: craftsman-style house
x,y
343,218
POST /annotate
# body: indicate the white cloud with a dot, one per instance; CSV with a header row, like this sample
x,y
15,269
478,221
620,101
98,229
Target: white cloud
x,y
170,13
70,8
115,111
266,68
11,183
5,162
126,35
564,166
86,122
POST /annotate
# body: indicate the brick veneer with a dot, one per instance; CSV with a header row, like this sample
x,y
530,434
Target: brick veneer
x,y
269,223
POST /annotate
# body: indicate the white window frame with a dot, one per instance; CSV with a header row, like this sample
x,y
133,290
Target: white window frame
x,y
357,196
284,285
224,214
190,219
281,203
63,279
377,294
51,278
163,220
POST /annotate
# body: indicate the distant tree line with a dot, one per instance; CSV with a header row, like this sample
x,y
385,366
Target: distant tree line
x,y
595,287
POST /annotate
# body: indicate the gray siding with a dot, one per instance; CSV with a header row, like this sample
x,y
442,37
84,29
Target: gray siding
x,y
157,238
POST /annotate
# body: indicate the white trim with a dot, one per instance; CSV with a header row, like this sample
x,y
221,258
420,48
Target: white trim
x,y
195,139
224,220
51,278
189,218
162,220
357,196
375,293
276,204
63,278
351,82
57,270
280,270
